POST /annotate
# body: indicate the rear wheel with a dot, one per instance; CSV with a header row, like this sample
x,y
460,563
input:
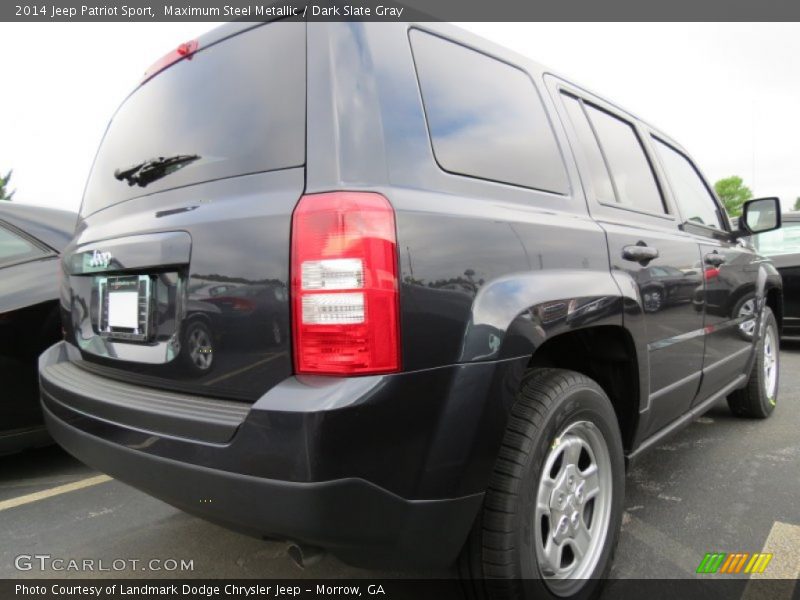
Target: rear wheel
x,y
758,398
553,509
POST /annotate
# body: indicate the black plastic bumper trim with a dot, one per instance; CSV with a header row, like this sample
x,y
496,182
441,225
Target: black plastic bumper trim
x,y
167,413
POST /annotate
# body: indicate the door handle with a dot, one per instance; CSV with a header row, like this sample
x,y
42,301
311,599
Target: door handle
x,y
641,253
715,259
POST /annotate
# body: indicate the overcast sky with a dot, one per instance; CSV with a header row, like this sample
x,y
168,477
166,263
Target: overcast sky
x,y
730,93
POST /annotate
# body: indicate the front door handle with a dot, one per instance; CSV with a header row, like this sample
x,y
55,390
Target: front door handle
x,y
641,253
715,259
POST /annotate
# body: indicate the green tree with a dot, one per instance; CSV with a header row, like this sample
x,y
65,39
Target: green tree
x,y
4,193
733,193
797,204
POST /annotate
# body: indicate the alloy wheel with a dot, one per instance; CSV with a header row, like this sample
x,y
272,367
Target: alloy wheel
x,y
573,506
771,364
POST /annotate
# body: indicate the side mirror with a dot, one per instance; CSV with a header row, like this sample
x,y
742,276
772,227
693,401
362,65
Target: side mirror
x,y
758,216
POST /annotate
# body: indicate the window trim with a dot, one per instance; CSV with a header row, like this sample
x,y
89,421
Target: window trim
x,y
712,232
564,88
569,193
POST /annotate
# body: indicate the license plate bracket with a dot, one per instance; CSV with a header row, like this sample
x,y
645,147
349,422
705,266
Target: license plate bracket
x,y
124,307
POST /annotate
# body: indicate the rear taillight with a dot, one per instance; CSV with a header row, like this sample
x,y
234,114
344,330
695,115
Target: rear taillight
x,y
344,284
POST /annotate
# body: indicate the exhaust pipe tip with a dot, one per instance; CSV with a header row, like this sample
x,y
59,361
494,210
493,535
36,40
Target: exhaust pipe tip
x,y
304,556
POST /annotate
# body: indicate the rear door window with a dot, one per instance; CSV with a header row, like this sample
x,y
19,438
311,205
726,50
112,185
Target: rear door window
x,y
634,180
239,104
485,117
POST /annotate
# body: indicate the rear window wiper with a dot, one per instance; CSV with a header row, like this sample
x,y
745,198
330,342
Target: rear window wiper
x,y
149,170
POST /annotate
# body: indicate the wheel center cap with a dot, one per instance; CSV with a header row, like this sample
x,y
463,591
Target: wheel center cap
x,y
565,504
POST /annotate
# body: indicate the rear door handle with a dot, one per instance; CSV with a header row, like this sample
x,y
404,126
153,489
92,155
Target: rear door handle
x,y
714,259
641,253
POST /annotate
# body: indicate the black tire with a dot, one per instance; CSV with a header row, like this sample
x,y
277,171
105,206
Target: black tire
x,y
500,557
754,401
197,329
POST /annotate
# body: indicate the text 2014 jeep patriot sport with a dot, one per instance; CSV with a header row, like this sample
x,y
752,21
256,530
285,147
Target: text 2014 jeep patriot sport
x,y
395,292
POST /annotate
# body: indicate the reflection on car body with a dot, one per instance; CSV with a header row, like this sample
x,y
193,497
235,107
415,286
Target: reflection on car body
x,y
662,286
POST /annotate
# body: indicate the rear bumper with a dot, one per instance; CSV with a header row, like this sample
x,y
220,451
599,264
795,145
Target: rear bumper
x,y
359,522
332,463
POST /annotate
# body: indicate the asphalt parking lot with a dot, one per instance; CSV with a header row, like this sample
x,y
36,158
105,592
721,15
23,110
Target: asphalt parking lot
x,y
722,484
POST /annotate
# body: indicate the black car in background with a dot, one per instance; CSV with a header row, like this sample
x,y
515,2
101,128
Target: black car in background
x,y
31,239
782,246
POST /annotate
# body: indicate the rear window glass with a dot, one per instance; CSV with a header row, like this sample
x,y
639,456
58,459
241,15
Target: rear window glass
x,y
14,248
485,117
238,104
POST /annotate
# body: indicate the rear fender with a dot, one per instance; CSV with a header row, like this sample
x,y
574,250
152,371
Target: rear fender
x,y
515,314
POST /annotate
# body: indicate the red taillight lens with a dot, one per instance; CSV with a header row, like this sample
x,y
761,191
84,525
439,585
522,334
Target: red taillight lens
x,y
185,50
344,284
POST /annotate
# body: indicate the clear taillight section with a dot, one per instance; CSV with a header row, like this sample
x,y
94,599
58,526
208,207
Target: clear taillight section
x,y
344,284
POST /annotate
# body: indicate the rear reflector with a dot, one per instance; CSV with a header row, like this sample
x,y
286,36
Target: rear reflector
x,y
344,285
185,50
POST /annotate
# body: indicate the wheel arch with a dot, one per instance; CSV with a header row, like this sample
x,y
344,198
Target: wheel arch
x,y
774,299
607,355
769,287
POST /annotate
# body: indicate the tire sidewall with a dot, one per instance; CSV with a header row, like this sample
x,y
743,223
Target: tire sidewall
x,y
583,403
769,322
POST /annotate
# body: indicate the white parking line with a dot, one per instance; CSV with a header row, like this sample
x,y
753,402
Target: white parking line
x,y
783,542
61,489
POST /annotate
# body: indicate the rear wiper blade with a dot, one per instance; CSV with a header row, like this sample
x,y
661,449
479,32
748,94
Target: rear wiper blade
x,y
149,170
